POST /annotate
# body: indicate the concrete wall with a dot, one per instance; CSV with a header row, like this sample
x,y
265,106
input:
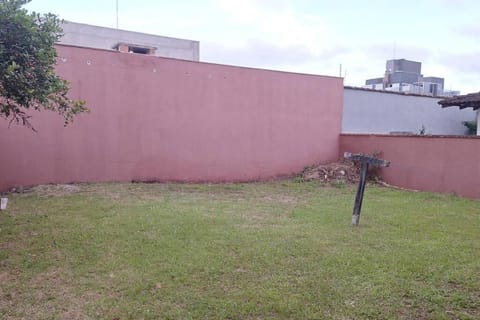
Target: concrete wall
x,y
84,35
166,119
369,111
429,163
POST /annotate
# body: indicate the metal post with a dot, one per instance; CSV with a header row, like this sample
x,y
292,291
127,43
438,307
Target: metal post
x,y
365,161
116,9
478,122
359,197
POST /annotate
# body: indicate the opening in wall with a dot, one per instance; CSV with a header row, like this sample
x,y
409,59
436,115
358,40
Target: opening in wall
x,y
133,48
139,50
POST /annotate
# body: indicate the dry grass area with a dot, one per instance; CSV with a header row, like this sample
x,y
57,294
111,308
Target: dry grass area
x,y
275,250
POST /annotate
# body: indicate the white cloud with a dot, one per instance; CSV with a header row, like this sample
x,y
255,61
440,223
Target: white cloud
x,y
275,22
306,35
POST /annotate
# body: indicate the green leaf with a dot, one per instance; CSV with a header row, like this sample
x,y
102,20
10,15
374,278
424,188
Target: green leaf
x,y
27,65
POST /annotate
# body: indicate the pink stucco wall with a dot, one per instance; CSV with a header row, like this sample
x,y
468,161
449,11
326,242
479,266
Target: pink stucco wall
x,y
430,163
165,119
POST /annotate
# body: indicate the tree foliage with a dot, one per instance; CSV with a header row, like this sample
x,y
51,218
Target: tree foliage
x,y
27,65
471,127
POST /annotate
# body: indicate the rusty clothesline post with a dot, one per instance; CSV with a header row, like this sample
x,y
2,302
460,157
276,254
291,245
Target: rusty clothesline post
x,y
365,161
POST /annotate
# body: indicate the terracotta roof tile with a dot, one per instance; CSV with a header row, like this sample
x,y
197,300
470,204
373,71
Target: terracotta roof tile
x,y
471,100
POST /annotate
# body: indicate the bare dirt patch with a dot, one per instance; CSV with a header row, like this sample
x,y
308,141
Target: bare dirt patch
x,y
48,294
283,199
58,190
259,219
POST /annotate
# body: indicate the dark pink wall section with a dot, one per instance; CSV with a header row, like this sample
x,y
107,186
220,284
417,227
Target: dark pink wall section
x,y
429,163
165,119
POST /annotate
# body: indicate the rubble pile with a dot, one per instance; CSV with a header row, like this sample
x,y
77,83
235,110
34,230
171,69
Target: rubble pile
x,y
342,171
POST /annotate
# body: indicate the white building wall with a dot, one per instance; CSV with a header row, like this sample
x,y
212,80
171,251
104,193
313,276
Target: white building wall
x,y
84,35
369,111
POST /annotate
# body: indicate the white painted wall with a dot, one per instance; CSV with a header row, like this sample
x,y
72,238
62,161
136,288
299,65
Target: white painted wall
x,y
85,35
369,111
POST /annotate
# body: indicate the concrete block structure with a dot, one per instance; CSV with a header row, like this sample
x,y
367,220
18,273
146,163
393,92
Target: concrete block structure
x,y
88,36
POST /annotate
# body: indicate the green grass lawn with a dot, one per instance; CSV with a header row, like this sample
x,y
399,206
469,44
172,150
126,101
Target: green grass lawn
x,y
276,250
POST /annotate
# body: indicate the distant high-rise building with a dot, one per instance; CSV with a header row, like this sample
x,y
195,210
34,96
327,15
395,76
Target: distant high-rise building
x,y
406,76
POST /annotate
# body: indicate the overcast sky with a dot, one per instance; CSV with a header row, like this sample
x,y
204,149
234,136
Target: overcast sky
x,y
308,36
